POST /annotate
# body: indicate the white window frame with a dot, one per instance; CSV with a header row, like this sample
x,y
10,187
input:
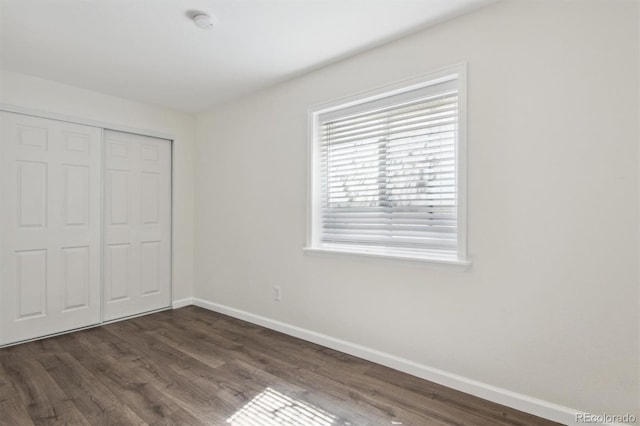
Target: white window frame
x,y
456,73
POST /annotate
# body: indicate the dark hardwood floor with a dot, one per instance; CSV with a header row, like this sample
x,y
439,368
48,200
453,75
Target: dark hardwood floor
x,y
194,367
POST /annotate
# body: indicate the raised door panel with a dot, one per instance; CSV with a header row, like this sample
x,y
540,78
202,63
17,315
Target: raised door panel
x,y
77,143
31,284
137,226
32,194
33,136
76,278
150,267
116,272
50,228
150,197
76,195
117,200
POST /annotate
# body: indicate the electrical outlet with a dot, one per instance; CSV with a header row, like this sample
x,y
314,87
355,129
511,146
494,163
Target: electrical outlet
x,y
277,293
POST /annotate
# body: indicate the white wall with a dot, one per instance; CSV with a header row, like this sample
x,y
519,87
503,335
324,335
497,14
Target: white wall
x,y
35,93
550,306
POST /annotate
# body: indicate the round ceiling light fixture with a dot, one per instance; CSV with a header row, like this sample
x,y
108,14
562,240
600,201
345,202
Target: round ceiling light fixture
x,y
204,21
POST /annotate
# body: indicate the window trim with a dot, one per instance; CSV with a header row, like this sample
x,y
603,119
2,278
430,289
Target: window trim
x,y
456,72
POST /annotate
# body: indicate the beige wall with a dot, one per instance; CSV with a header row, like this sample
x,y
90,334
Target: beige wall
x,y
47,96
550,306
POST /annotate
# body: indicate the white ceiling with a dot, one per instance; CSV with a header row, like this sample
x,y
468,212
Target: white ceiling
x,y
150,50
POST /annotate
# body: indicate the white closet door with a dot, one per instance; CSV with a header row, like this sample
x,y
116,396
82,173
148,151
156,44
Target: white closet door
x,y
49,226
137,224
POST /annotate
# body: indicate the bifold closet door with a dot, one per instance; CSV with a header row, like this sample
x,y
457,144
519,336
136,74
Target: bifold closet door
x,y
137,224
50,173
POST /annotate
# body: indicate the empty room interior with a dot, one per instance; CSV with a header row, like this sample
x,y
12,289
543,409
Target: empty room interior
x,y
319,212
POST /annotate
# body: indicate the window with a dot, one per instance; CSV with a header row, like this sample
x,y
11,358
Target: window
x,y
387,172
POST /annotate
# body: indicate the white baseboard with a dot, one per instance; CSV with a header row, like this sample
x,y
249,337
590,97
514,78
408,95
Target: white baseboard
x,y
180,303
505,397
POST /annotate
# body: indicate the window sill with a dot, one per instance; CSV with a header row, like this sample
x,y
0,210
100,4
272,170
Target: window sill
x,y
392,256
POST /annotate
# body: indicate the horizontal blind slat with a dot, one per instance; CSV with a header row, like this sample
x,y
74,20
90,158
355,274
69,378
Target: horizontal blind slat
x,y
434,126
366,115
333,131
361,157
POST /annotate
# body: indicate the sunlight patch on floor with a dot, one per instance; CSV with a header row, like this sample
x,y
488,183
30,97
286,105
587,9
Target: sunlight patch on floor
x,y
271,407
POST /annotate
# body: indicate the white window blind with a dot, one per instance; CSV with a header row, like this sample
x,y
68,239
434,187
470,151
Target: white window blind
x,y
388,174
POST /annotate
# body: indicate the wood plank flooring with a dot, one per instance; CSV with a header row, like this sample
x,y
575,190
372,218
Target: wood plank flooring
x,y
191,366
